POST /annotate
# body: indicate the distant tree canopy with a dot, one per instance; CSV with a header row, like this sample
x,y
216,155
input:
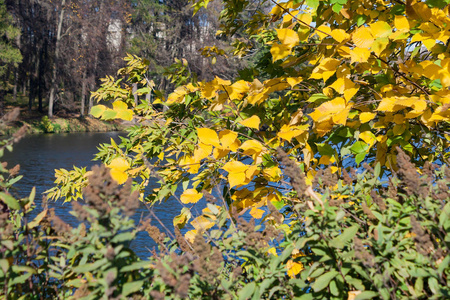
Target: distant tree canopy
x,y
68,45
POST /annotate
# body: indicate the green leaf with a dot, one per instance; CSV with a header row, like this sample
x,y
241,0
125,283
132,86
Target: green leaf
x,y
359,147
323,281
366,295
10,201
312,3
98,110
90,267
131,287
347,235
247,291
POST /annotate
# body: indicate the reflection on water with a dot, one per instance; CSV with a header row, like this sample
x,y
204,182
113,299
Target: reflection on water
x,y
39,155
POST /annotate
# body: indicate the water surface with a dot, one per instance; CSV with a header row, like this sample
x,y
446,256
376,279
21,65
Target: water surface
x,y
39,155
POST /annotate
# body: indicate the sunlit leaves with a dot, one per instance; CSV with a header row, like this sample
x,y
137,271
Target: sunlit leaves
x,y
252,122
118,167
190,196
208,137
289,39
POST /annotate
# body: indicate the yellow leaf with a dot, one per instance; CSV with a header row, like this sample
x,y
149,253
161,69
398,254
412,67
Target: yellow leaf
x,y
368,137
252,122
272,174
339,35
119,176
363,38
201,152
288,132
178,95
235,166
293,81
256,213
201,223
294,268
119,164
229,140
380,29
280,51
366,117
251,147
336,109
401,23
190,235
359,55
288,37
237,90
208,136
236,179
325,69
119,105
190,196
323,31
220,153
379,45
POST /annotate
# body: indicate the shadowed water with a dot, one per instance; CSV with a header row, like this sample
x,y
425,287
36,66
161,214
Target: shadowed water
x,y
39,155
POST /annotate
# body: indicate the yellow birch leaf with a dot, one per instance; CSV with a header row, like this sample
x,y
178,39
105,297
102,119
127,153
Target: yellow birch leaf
x,y
339,35
251,147
379,45
368,137
366,117
190,196
350,92
119,164
252,122
288,37
288,132
219,153
119,176
178,95
363,38
323,31
293,81
359,55
119,105
401,23
272,174
208,136
256,213
380,29
202,151
201,223
280,51
328,110
229,140
235,166
236,179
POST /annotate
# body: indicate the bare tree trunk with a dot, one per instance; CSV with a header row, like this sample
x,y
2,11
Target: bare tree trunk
x,y
16,75
83,94
53,83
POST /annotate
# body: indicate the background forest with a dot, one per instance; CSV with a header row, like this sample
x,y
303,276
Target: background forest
x,y
56,51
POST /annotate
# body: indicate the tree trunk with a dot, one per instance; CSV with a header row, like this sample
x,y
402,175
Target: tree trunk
x,y
16,75
54,73
83,94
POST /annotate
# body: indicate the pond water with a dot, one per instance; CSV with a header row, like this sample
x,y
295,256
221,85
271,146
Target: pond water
x,y
40,155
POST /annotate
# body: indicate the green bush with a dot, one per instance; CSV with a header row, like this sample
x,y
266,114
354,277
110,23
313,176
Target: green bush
x,y
365,238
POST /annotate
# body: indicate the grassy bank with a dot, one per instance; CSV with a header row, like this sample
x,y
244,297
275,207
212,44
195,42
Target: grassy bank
x,y
40,123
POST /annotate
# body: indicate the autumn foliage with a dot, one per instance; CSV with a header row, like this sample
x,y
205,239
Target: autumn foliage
x,y
337,85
